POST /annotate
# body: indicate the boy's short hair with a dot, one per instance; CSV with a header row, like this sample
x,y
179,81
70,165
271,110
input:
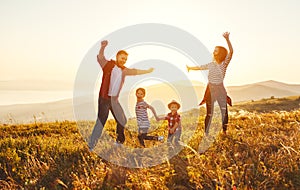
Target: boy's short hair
x,y
122,52
141,89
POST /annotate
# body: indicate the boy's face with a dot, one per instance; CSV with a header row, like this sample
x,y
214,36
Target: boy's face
x,y
173,107
140,94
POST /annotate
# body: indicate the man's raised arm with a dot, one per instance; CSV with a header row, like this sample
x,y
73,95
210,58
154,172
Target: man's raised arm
x,y
100,57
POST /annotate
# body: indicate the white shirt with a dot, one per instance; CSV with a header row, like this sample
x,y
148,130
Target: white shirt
x,y
115,81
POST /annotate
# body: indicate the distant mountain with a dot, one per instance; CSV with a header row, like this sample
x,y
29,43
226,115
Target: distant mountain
x,y
261,90
46,85
39,112
189,94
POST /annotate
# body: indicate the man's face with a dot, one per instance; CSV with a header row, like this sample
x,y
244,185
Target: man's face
x,y
121,59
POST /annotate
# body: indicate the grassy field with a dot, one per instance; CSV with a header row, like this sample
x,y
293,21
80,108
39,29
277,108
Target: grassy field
x,y
260,151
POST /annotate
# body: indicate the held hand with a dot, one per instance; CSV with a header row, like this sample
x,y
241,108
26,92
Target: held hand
x,y
155,116
188,68
226,35
104,43
150,70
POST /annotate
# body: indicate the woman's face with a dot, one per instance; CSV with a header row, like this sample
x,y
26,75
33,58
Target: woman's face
x,y
216,51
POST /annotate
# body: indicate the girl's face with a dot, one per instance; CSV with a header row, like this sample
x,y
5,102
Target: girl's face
x,y
139,94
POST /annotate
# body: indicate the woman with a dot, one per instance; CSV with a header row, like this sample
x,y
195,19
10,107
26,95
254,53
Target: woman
x,y
216,74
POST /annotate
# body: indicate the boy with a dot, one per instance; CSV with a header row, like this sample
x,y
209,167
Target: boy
x,y
174,122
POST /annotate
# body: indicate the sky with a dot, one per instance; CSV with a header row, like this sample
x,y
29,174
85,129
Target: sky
x,y
47,40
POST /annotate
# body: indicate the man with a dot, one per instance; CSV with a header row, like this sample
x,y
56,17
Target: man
x,y
114,73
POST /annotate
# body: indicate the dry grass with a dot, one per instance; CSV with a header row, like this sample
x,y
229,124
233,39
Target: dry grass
x,y
260,151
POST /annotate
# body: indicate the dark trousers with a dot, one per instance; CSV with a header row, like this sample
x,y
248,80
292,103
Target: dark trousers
x,y
219,94
104,105
143,135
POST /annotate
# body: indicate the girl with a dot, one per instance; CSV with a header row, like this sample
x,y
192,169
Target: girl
x,y
142,117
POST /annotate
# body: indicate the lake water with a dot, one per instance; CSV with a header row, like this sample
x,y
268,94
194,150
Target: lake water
x,y
28,96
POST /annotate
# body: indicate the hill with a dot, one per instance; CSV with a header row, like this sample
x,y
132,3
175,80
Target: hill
x,y
261,90
269,104
158,95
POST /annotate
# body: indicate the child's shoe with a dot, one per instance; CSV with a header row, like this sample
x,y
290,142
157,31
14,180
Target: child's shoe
x,y
160,138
